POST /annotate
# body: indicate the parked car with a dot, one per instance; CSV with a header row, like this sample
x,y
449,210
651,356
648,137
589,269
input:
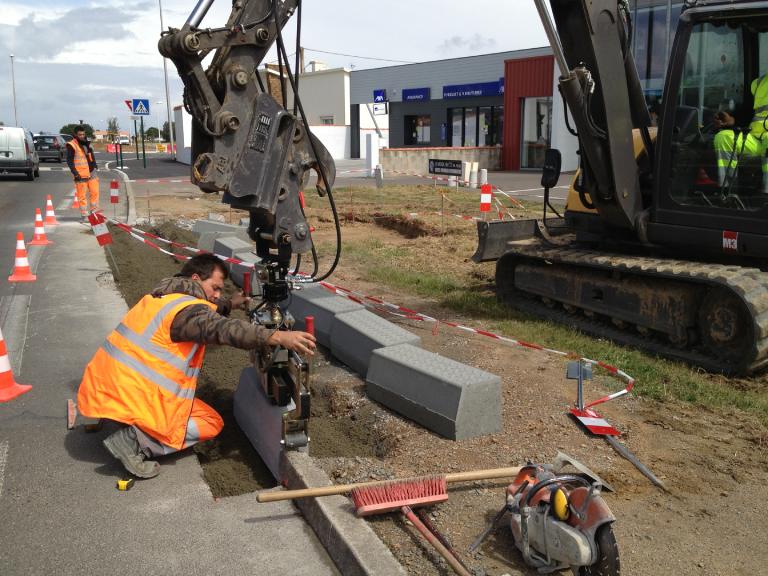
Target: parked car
x,y
67,137
50,147
17,152
124,140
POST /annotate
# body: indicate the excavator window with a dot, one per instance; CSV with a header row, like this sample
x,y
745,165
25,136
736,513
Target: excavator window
x,y
720,140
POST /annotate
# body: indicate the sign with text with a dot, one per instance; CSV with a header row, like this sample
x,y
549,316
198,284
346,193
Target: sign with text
x,y
380,108
380,95
445,167
140,106
471,90
415,94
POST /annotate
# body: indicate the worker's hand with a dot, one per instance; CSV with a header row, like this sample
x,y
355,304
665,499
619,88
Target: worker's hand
x,y
301,342
239,300
723,120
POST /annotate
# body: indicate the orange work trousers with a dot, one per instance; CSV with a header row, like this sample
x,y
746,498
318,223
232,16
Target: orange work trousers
x,y
204,423
92,188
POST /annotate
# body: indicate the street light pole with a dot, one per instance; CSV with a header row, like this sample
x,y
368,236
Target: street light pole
x,y
167,92
13,84
159,137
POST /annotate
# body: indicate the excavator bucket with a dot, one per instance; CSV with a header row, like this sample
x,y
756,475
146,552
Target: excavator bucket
x,y
493,237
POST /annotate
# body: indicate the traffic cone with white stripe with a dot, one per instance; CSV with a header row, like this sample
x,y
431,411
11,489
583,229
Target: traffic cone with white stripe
x,y
50,215
39,239
75,202
21,270
9,389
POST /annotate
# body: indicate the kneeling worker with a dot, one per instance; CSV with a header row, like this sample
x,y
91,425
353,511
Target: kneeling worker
x,y
145,373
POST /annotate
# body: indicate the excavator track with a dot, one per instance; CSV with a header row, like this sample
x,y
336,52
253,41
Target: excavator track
x,y
708,315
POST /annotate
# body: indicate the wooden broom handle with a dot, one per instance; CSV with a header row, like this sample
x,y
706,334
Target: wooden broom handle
x,y
345,488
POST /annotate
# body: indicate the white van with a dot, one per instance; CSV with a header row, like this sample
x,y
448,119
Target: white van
x,y
17,152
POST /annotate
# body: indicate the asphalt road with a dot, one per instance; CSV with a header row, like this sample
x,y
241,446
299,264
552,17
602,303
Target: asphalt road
x,y
60,512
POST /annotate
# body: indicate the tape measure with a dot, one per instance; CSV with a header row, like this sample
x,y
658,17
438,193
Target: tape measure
x,y
125,484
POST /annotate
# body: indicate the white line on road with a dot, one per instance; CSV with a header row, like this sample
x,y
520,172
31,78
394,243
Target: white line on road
x,y
3,458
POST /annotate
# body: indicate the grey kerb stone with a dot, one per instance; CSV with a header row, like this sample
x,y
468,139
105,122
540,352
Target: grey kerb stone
x,y
323,305
455,400
355,335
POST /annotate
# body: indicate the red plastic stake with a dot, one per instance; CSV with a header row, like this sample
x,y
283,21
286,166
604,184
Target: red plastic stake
x,y
247,283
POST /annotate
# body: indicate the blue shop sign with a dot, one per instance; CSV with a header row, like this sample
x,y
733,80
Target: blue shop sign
x,y
380,95
415,94
469,90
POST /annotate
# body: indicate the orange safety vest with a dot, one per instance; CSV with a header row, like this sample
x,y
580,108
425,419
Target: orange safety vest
x,y
81,159
140,376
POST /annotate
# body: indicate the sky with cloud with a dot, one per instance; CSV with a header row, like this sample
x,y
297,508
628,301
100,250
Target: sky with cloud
x,y
79,59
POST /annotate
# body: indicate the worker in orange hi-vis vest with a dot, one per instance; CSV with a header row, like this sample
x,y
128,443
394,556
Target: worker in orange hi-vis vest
x,y
82,164
145,374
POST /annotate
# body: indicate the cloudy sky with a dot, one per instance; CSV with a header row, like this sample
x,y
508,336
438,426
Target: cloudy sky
x,y
79,59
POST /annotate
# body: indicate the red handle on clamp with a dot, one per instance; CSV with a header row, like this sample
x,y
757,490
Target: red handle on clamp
x,y
309,323
247,283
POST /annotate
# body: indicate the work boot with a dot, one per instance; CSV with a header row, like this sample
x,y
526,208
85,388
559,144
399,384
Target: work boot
x,y
124,446
84,218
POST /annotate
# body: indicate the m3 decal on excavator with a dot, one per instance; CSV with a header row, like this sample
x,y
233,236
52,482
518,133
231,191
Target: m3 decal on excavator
x,y
730,241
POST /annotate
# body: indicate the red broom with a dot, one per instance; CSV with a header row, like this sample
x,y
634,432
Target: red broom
x,y
389,495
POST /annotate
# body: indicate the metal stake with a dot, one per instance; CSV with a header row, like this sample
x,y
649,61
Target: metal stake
x,y
625,453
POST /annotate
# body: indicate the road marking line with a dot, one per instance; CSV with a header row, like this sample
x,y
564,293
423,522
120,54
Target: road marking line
x,y
3,459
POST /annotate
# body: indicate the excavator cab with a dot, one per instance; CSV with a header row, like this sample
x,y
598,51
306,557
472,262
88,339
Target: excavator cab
x,y
711,182
664,240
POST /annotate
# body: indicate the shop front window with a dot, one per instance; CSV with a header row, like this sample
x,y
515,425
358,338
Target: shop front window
x,y
654,23
457,125
537,121
470,126
498,126
417,130
485,122
476,126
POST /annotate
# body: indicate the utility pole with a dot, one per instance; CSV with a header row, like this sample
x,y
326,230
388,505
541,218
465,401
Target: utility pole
x,y
13,85
167,92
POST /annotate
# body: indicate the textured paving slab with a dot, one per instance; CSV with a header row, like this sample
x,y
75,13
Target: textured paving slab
x,y
355,335
455,400
318,302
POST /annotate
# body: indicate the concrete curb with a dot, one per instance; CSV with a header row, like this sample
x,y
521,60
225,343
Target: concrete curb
x,y
350,542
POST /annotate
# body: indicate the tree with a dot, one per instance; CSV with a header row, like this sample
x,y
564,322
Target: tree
x,y
70,129
164,133
113,128
152,133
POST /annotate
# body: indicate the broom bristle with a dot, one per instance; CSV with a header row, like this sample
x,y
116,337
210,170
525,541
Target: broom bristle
x,y
398,493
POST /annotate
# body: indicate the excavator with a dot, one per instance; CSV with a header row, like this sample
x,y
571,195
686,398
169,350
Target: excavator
x,y
663,243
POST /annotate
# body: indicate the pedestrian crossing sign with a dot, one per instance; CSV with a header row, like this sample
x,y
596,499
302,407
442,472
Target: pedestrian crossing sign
x,y
141,106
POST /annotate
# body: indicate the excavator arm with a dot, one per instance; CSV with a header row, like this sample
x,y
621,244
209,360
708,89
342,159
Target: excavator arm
x,y
244,143
591,42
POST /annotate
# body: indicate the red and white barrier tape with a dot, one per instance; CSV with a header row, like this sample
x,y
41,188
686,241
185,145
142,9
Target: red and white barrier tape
x,y
407,313
388,307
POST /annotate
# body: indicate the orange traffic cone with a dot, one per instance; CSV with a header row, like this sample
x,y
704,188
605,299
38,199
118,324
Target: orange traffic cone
x,y
75,203
21,271
9,389
39,239
50,215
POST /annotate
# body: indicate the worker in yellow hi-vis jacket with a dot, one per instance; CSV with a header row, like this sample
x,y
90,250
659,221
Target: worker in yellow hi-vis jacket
x,y
730,146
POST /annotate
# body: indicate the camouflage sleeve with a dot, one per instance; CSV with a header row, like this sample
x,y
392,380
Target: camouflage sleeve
x,y
198,323
224,307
